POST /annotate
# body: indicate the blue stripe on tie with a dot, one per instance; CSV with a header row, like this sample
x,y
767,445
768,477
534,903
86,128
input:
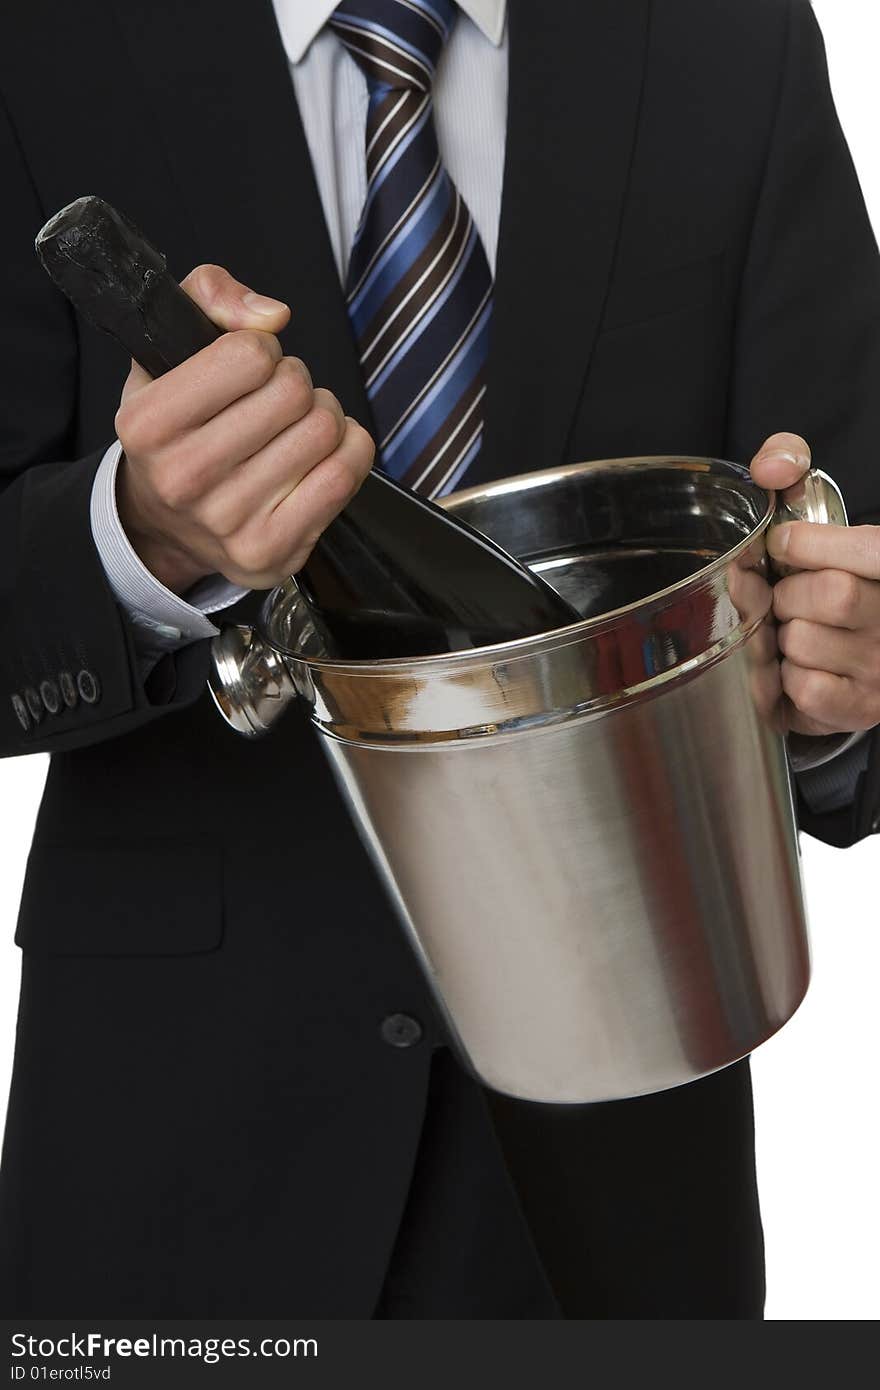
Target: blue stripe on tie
x,y
422,209
406,248
447,389
424,322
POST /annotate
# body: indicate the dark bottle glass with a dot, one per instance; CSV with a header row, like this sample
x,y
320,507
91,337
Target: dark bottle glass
x,y
393,575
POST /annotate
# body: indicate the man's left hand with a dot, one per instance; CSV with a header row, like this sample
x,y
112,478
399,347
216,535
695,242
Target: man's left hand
x,y
828,615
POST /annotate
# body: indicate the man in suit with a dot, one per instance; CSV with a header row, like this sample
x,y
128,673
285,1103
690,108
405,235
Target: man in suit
x,y
232,1094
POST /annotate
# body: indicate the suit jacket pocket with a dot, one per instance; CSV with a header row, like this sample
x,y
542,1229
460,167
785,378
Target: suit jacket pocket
x,y
637,298
154,899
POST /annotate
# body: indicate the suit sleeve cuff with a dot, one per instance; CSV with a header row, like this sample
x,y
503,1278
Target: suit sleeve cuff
x,y
166,620
833,785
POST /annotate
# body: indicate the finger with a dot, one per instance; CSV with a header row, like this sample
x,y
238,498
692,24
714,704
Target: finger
x,y
256,488
232,305
197,390
835,702
252,422
289,460
833,597
807,546
797,723
816,647
326,489
817,695
781,461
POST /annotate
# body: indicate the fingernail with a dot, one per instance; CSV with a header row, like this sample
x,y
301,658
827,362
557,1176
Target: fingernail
x,y
260,304
784,456
778,539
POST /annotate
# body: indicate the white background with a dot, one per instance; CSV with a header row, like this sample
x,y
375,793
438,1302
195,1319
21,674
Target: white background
x,y
816,1084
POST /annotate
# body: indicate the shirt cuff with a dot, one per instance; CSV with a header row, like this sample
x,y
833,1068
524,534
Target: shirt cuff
x,y
166,620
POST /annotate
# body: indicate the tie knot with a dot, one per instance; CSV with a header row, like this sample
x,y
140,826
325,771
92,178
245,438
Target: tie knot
x,y
397,43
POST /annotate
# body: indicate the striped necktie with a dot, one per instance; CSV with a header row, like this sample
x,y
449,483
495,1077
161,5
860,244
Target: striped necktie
x,y
419,288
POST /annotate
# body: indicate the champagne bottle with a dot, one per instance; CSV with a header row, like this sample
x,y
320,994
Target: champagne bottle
x,y
393,575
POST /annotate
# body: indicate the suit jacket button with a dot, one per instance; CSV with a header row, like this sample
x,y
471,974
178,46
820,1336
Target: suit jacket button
x,y
400,1030
88,687
34,704
50,696
68,689
21,713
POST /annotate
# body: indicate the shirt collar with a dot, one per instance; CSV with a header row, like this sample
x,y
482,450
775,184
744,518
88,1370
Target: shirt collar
x,y
300,21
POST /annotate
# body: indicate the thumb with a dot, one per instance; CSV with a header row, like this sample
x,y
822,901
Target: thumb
x,y
232,305
228,303
781,462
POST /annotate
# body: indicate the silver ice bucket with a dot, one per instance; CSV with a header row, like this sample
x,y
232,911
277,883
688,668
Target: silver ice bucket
x,y
589,835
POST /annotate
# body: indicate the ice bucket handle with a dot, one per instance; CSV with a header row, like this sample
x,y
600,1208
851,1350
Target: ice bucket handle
x,y
249,682
815,498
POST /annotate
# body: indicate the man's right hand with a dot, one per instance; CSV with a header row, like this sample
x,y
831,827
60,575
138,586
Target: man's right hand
x,y
234,463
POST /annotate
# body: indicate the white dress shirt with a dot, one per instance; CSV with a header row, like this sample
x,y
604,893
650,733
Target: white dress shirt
x,y
470,94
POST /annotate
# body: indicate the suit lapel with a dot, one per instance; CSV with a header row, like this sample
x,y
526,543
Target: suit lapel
x,y
576,73
218,86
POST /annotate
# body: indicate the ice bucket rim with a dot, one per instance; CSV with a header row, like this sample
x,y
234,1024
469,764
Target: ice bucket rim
x,y
557,638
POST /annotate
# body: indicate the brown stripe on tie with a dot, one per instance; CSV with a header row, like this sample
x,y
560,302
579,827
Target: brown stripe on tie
x,y
407,107
444,445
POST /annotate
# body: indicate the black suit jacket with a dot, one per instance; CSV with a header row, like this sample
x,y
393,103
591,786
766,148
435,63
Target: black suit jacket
x,y
685,264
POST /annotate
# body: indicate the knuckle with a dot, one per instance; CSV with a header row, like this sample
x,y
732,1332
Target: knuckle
x,y
183,477
795,638
342,482
208,281
779,604
364,448
843,593
188,472
303,370
175,486
136,428
812,694
294,385
221,521
252,352
248,552
325,425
